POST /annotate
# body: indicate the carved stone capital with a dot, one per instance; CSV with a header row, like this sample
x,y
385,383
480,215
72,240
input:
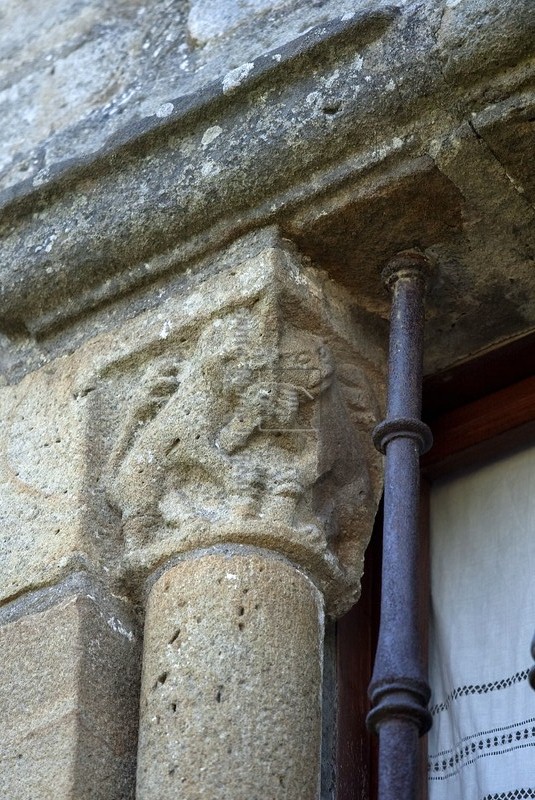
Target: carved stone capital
x,y
251,425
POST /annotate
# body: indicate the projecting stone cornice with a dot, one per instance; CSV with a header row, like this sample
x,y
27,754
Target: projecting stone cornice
x,y
359,101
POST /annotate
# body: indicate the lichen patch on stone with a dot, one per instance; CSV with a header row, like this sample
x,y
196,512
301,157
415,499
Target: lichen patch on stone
x,y
233,78
165,110
211,134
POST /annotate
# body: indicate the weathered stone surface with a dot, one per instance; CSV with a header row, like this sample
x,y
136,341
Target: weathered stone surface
x,y
231,698
482,242
208,19
249,422
150,55
42,467
507,130
49,77
238,411
367,95
483,30
54,519
100,65
68,694
349,231
173,402
496,289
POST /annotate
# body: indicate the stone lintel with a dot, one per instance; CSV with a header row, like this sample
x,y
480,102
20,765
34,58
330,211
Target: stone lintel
x,y
384,85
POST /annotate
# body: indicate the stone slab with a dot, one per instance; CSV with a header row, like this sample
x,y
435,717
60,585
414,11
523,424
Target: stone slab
x,y
68,694
361,91
50,524
104,64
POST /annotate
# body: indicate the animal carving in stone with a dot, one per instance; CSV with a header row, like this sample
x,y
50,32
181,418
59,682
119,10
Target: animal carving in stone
x,y
234,432
215,434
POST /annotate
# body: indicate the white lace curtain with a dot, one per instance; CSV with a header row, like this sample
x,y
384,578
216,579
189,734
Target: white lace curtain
x,y
482,743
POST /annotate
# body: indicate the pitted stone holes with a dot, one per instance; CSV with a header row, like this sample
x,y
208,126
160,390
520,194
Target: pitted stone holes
x,y
174,637
161,680
331,108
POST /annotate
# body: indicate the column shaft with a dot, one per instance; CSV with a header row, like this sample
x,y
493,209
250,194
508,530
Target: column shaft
x,y
230,701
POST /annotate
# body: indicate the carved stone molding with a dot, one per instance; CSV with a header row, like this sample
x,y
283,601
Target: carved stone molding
x,y
408,124
250,425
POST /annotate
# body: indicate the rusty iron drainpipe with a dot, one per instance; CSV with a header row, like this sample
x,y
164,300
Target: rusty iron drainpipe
x,y
398,690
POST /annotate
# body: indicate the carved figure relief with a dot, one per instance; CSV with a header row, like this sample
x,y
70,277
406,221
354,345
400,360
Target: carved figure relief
x,y
252,428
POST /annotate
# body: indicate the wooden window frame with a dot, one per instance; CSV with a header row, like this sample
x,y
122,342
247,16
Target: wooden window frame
x,y
477,411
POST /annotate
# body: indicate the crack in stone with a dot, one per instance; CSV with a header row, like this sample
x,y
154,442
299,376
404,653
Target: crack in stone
x,y
518,189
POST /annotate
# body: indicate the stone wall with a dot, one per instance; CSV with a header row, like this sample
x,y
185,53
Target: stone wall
x,y
196,203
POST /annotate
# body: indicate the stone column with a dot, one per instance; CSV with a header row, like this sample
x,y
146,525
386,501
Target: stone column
x,y
231,682
247,485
